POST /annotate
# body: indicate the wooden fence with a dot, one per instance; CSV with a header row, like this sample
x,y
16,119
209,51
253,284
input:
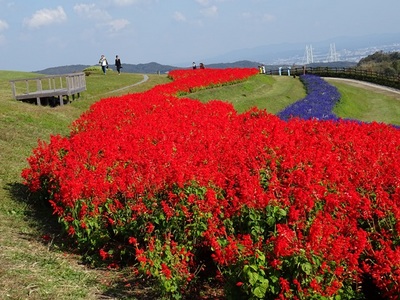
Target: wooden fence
x,y
49,87
351,73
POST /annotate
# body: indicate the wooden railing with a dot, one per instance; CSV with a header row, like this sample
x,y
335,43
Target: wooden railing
x,y
56,86
351,73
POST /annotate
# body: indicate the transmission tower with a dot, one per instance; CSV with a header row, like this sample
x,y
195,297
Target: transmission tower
x,y
309,54
332,56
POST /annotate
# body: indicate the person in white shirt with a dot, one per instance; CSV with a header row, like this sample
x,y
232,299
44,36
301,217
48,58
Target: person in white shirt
x,y
103,63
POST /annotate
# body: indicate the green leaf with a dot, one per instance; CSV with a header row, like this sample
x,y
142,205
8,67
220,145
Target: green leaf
x,y
282,212
306,267
253,278
261,290
271,221
274,278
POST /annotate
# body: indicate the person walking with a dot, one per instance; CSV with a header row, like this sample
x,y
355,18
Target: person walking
x,y
118,64
103,63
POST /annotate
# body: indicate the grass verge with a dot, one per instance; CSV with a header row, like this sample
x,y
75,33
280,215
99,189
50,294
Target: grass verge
x,y
367,103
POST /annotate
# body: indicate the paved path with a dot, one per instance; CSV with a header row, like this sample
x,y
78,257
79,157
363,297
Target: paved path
x,y
365,84
145,78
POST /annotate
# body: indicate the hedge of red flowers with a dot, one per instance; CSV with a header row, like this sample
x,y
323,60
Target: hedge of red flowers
x,y
182,190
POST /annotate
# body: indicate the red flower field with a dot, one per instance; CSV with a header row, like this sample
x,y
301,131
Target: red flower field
x,y
182,190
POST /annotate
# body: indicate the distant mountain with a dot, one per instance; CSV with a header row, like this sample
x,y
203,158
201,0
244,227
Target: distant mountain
x,y
148,68
62,70
347,48
336,64
155,68
237,64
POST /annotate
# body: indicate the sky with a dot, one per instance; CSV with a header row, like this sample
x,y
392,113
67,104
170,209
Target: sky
x,y
40,34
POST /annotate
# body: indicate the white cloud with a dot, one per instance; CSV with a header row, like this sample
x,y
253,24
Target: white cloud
x,y
3,25
203,2
247,15
178,16
259,17
91,11
131,2
210,11
208,2
46,17
125,2
84,8
103,18
117,25
268,18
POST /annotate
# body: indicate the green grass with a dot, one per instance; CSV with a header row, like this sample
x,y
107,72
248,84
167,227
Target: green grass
x,y
367,103
272,93
33,269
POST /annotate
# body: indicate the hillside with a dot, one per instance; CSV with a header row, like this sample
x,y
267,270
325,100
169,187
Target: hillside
x,y
155,68
147,68
381,62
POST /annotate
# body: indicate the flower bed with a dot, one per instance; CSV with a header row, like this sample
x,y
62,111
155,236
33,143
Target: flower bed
x,y
182,190
318,104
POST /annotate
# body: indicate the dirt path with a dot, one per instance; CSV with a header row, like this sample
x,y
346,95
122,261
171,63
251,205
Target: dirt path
x,y
145,78
367,85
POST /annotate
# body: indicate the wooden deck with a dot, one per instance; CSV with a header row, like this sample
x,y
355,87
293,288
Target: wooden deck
x,y
54,86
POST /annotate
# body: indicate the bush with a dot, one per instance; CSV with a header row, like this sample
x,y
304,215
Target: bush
x,y
92,70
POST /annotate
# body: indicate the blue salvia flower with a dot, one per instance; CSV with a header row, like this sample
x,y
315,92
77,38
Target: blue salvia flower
x,y
318,104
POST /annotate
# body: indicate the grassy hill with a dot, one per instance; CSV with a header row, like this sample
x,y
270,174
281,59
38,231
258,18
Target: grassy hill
x,y
35,262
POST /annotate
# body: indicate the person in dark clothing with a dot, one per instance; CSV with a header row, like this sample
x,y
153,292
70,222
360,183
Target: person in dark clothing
x,y
118,64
